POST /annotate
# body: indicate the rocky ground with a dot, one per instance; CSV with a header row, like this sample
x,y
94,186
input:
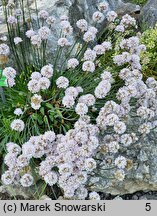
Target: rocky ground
x,y
140,195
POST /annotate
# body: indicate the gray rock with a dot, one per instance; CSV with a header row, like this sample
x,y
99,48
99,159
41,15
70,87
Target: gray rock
x,y
76,9
148,16
142,176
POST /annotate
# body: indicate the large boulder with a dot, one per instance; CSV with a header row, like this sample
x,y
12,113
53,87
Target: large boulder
x,y
149,14
140,176
75,9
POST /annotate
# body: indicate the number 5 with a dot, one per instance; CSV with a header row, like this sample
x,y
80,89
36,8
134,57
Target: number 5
x,y
148,207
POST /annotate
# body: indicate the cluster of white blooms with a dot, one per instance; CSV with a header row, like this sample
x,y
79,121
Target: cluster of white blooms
x,y
40,81
62,82
89,55
111,116
36,101
71,153
89,36
50,20
111,16
66,27
81,109
107,45
17,40
90,31
12,20
44,32
121,162
17,125
87,99
47,71
135,87
128,139
103,6
18,111
120,28
88,66
73,63
99,49
128,21
71,93
4,49
98,17
82,25
62,42
26,180
43,14
30,33
36,40
68,101
10,74
104,86
3,38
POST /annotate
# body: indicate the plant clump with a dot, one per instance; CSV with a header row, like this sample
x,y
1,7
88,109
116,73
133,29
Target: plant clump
x,y
66,120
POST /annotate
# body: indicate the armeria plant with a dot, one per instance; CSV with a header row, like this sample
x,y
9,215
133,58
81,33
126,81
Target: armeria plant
x,y
56,113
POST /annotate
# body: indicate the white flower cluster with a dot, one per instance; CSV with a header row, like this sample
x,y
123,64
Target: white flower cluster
x,y
50,20
82,25
62,82
103,6
87,99
10,74
17,40
4,49
43,14
88,66
90,55
30,33
17,125
44,33
104,86
63,42
98,17
39,81
128,21
111,16
66,27
71,153
73,63
36,101
111,115
12,20
18,111
71,93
